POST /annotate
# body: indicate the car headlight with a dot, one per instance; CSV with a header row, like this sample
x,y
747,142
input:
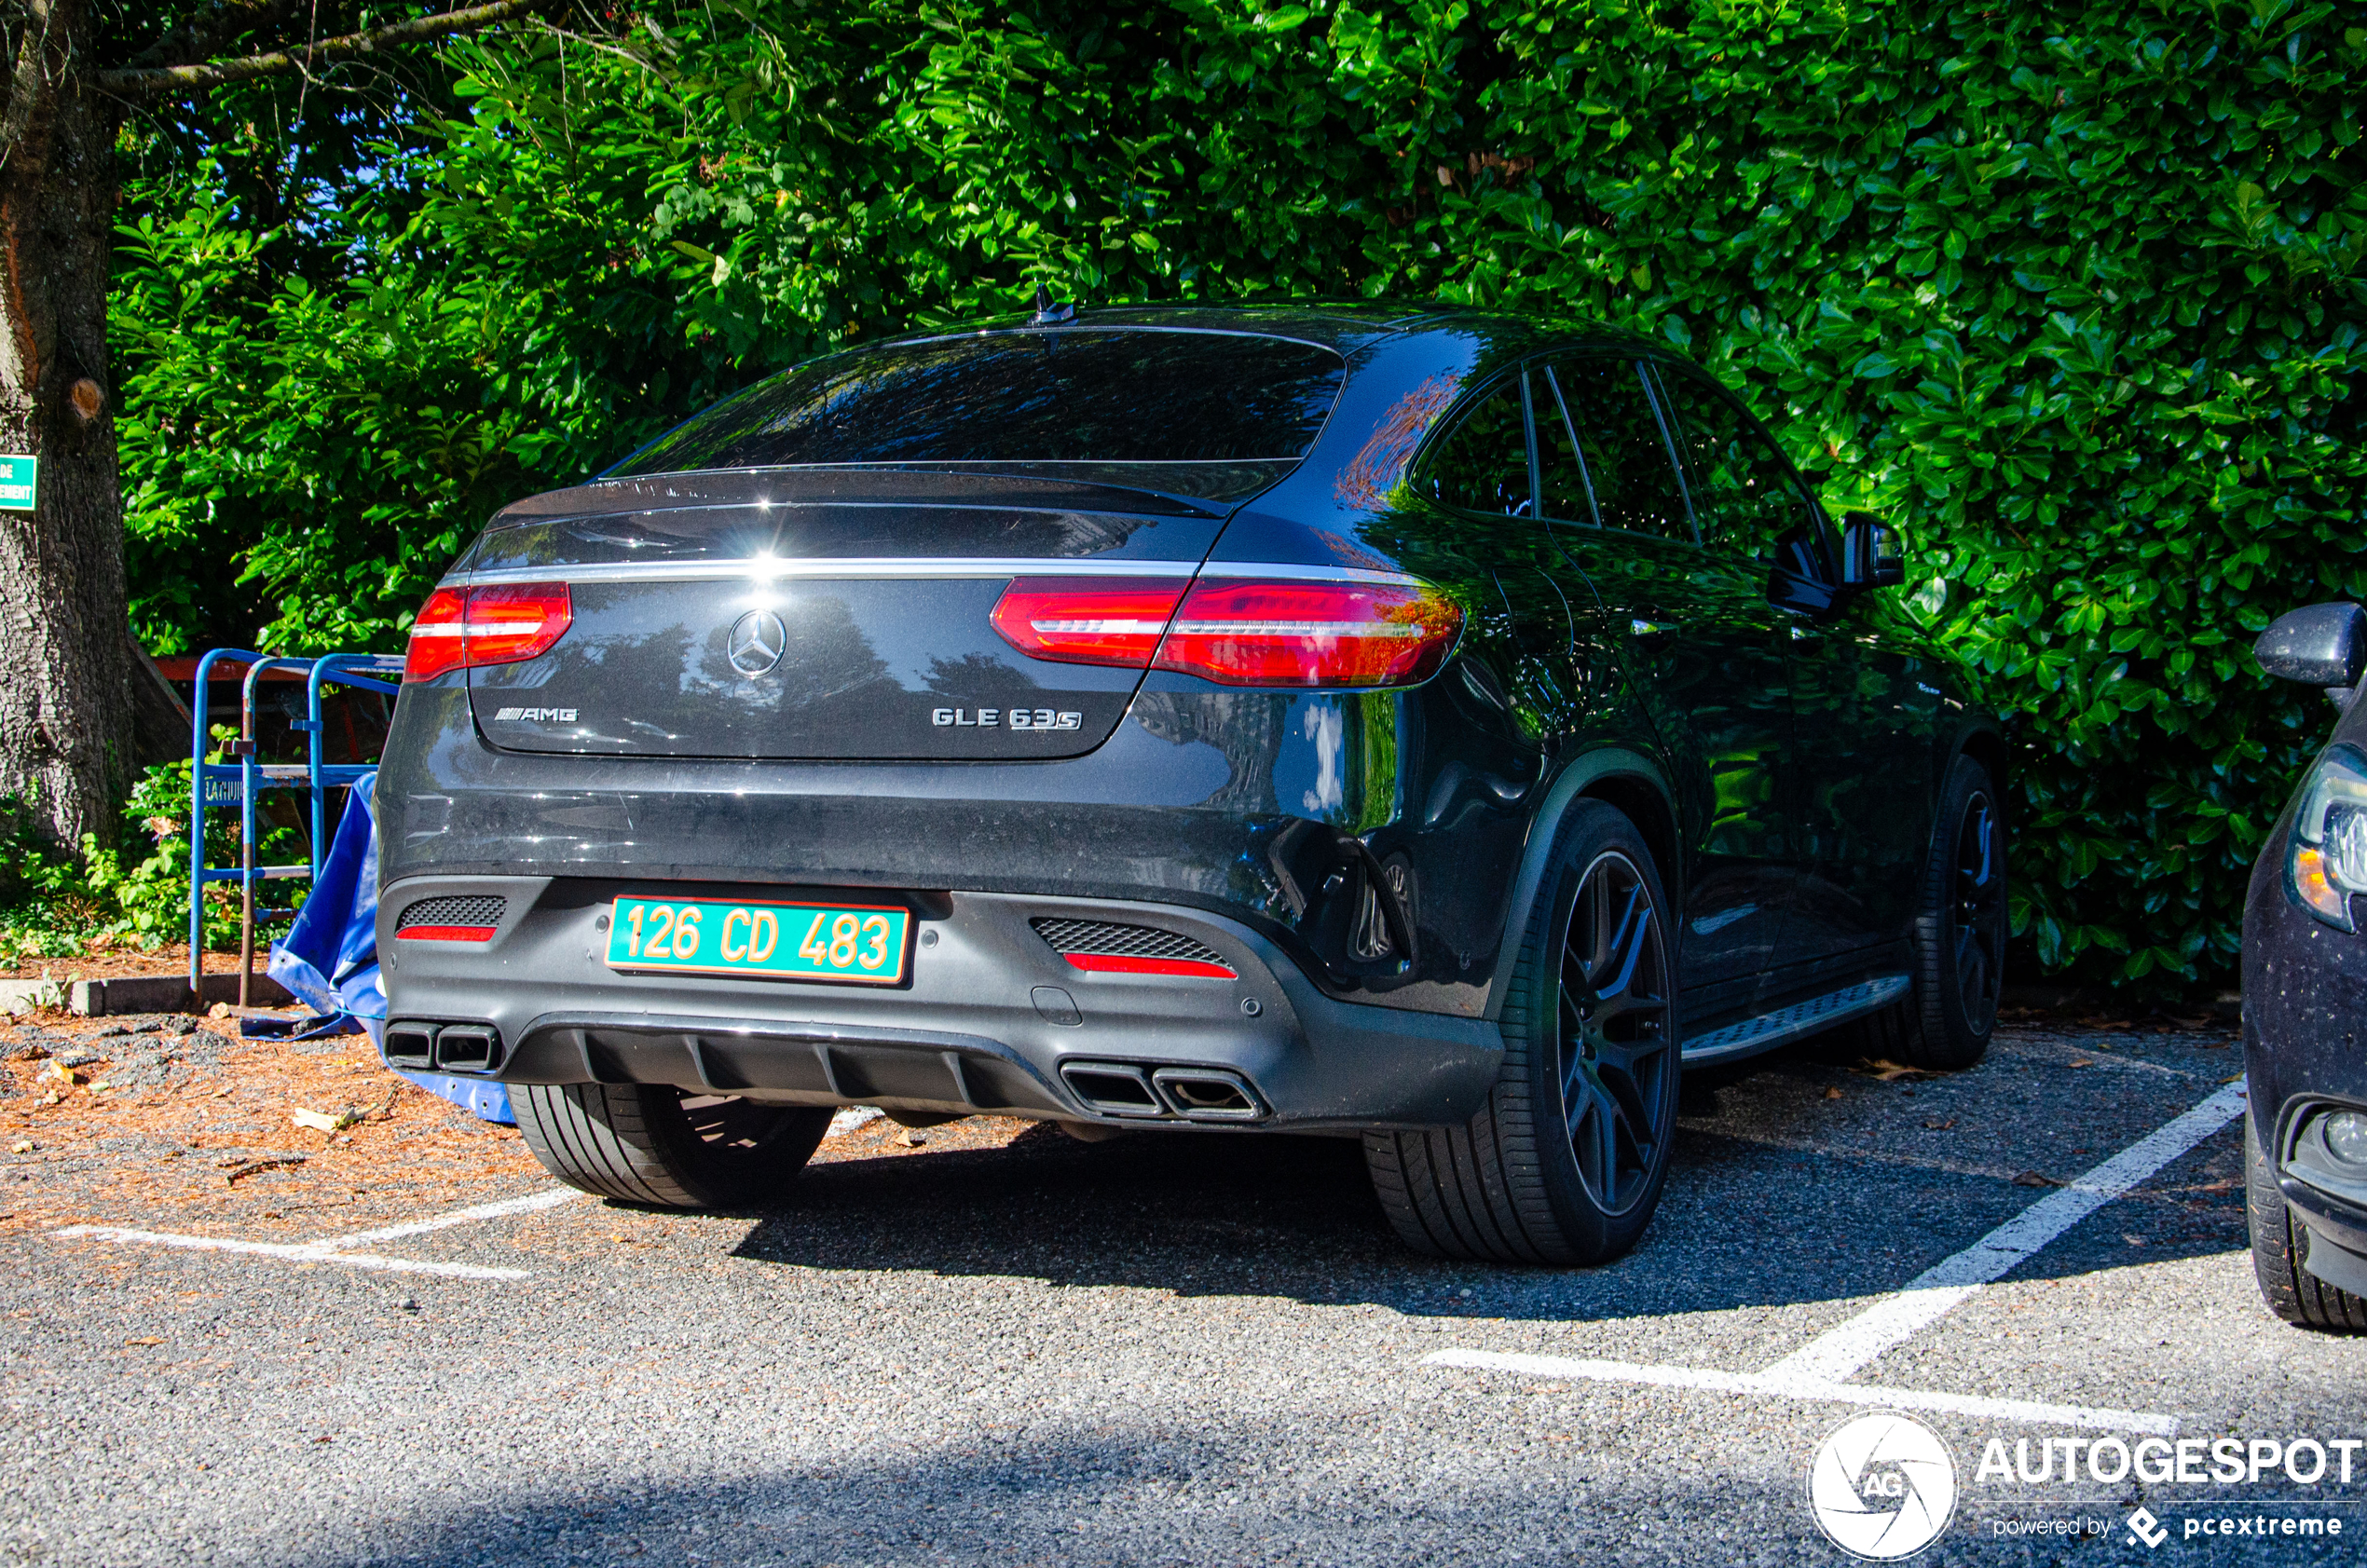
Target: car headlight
x,y
2346,1137
2329,860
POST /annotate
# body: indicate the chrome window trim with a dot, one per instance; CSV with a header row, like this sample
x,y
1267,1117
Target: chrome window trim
x,y
857,568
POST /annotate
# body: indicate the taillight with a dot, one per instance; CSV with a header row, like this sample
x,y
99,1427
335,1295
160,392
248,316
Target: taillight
x,y
467,628
1087,619
434,647
515,622
1311,633
1236,633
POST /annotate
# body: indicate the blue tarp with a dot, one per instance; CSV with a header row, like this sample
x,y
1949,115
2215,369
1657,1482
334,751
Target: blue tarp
x,y
329,958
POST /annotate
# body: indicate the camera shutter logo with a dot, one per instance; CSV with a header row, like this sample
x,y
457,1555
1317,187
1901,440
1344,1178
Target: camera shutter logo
x,y
1882,1486
756,641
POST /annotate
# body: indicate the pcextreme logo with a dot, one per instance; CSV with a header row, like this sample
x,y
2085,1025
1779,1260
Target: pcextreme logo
x,y
1882,1486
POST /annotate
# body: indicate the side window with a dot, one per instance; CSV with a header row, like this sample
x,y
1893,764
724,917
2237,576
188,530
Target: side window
x,y
1628,464
1562,491
1483,466
1744,497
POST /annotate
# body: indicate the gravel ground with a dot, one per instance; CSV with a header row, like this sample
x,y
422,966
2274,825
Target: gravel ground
x,y
987,1342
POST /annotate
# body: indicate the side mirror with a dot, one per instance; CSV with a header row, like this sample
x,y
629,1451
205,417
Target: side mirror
x,y
2325,645
1869,552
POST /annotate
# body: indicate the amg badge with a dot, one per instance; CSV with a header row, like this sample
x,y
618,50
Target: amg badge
x,y
537,715
1009,718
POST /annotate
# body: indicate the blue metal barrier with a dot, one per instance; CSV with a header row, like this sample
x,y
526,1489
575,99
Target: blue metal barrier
x,y
218,784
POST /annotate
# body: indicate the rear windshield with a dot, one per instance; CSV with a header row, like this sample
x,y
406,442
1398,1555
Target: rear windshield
x,y
1073,396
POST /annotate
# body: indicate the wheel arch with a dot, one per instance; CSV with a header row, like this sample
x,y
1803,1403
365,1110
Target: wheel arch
x,y
1619,778
1985,744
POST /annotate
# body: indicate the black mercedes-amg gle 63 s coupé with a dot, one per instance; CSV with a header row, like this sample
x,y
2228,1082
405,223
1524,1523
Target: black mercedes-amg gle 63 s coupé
x,y
1437,728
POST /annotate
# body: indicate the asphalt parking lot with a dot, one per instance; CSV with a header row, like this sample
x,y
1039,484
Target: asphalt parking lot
x,y
998,1344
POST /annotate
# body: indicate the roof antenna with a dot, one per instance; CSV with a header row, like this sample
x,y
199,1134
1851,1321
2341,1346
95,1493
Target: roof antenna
x,y
1051,312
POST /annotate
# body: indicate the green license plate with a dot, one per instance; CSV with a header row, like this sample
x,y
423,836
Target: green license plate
x,y
862,943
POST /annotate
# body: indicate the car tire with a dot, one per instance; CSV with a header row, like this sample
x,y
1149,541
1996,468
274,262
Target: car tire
x,y
1959,935
664,1146
1565,1161
2292,1291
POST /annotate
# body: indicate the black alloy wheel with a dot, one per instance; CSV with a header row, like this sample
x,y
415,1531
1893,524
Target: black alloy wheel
x,y
1979,915
669,1148
1959,935
1615,1052
1565,1161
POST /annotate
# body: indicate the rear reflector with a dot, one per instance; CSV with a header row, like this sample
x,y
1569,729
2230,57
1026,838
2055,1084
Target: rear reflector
x,y
468,628
1120,963
445,933
1087,619
1311,633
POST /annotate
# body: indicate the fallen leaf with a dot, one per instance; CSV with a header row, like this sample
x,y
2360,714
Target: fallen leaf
x,y
1939,1125
1890,1072
1832,1094
60,1072
2032,1179
148,1339
23,1146
2080,1061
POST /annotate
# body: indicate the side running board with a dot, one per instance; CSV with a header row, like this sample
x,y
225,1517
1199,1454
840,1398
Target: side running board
x,y
1771,1029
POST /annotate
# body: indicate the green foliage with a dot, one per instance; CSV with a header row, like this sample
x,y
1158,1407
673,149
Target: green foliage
x,y
2072,293
40,890
136,890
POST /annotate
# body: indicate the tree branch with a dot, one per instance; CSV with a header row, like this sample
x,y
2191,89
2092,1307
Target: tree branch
x,y
175,81
200,36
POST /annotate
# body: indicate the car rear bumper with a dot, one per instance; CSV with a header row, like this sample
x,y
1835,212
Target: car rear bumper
x,y
992,1018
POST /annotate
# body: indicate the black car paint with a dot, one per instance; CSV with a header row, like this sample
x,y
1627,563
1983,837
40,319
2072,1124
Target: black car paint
x,y
1783,762
2304,991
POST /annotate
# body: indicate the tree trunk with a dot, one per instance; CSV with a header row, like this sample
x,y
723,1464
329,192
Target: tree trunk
x,y
66,698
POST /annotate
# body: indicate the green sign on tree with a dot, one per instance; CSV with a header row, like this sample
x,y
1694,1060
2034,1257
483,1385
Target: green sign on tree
x,y
20,482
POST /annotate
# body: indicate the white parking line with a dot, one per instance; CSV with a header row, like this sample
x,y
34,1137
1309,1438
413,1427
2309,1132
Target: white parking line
x,y
1820,1369
332,1249
501,1210
1771,1386
1837,1354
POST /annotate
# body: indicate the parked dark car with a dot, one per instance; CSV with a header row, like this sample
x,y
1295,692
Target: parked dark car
x,y
2304,997
1404,723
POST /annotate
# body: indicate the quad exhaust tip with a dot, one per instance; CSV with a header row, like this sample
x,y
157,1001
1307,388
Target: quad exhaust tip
x,y
1142,1092
423,1047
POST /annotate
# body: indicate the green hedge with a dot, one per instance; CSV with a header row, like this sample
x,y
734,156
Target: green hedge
x,y
2071,292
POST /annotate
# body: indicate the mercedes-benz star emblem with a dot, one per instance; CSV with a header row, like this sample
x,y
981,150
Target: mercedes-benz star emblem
x,y
755,642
